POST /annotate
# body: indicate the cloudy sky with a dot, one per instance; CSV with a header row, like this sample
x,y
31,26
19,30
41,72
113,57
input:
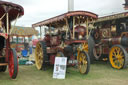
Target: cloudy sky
x,y
38,10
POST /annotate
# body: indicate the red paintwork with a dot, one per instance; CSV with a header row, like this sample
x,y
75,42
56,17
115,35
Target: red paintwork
x,y
19,47
11,64
52,41
105,49
47,39
106,42
80,30
65,15
52,59
13,10
53,50
5,35
75,41
113,41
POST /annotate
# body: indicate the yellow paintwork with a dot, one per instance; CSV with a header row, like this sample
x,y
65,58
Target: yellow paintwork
x,y
38,56
85,47
81,57
59,54
116,57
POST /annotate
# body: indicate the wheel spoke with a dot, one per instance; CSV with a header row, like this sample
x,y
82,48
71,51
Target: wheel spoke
x,y
118,52
121,53
121,56
114,58
121,62
114,53
82,62
117,57
80,66
115,62
39,55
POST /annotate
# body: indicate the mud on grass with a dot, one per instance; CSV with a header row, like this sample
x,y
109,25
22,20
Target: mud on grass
x,y
101,73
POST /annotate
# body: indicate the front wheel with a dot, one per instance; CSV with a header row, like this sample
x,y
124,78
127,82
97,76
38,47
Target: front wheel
x,y
13,64
40,55
91,46
83,62
118,57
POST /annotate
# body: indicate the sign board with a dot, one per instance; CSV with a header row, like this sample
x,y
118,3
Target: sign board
x,y
60,67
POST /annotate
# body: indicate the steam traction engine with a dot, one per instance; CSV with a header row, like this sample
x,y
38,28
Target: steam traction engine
x,y
110,40
8,13
65,35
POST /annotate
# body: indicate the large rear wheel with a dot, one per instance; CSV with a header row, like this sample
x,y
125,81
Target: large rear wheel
x,y
40,54
13,64
83,62
118,57
91,45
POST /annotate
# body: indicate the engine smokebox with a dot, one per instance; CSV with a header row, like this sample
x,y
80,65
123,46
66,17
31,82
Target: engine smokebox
x,y
124,41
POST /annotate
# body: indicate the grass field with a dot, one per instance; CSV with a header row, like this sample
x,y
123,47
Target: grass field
x,y
101,73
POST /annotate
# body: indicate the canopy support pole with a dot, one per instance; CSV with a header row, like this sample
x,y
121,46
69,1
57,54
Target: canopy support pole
x,y
14,23
2,17
93,21
24,40
50,30
40,32
87,28
17,39
73,37
7,23
67,25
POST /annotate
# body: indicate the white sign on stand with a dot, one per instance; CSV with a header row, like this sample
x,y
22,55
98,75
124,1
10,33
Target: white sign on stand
x,y
60,67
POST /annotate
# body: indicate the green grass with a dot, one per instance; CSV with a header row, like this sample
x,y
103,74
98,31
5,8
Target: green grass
x,y
101,73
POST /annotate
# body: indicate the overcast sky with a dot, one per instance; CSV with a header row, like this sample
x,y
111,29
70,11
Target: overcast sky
x,y
39,10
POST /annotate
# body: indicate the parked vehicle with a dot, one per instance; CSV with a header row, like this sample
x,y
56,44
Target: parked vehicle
x,y
8,13
66,35
110,40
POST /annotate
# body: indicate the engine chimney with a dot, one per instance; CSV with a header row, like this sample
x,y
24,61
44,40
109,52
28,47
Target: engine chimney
x,y
126,5
70,5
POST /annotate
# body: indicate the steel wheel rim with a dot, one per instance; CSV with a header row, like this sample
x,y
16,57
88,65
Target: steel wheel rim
x,y
116,57
39,56
11,65
82,62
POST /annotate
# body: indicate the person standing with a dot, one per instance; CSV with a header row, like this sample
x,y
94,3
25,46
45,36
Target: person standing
x,y
30,47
